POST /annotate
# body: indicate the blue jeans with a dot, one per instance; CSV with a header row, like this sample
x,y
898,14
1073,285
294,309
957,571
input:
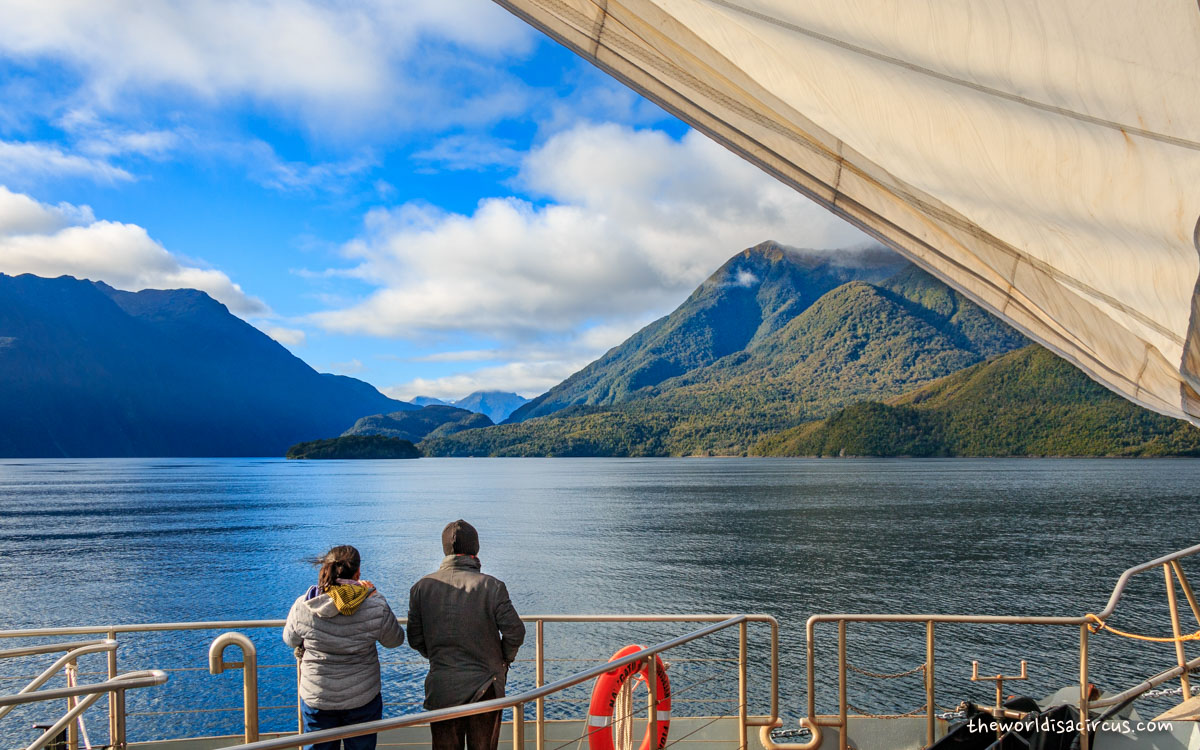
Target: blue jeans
x,y
318,718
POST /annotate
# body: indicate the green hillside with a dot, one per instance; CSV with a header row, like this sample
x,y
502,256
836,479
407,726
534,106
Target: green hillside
x,y
429,421
1026,403
354,447
796,360
751,296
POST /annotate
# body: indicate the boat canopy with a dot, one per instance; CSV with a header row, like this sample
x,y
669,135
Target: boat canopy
x,y
1041,157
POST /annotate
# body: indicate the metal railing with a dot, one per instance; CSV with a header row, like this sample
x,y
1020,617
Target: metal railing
x,y
79,698
518,702
1087,624
250,667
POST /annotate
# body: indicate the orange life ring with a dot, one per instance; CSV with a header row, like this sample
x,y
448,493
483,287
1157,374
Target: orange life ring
x,y
604,697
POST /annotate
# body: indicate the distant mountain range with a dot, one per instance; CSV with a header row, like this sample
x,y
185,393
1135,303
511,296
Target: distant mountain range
x,y
87,370
776,340
496,405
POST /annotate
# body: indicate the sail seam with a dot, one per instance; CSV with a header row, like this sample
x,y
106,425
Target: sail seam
x,y
1035,104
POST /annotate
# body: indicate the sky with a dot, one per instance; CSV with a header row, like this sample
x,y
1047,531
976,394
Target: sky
x,y
432,197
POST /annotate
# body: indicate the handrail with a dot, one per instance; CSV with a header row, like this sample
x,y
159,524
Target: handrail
x,y
127,681
153,627
48,648
471,709
535,621
116,685
813,722
74,651
249,667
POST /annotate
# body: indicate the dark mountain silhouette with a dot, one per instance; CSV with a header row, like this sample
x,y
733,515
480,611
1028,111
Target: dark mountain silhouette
x,y
88,370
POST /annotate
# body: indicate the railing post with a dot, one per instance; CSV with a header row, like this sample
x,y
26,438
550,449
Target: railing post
x,y
652,706
118,720
1085,739
249,667
1187,590
73,727
930,706
842,723
519,726
112,697
299,709
1180,654
539,657
742,688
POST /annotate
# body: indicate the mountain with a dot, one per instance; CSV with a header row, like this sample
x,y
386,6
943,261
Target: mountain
x,y
429,401
746,300
88,370
497,405
1026,403
431,421
354,447
772,340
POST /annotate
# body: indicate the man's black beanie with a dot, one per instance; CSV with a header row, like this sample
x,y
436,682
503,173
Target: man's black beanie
x,y
460,538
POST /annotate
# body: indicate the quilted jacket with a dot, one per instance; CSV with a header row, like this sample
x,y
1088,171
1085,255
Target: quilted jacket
x,y
339,666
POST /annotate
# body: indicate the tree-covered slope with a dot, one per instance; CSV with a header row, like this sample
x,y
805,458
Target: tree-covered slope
x,y
1026,403
857,341
751,296
433,420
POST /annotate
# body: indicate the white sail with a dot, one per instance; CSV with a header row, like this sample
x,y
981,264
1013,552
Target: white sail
x,y
1042,157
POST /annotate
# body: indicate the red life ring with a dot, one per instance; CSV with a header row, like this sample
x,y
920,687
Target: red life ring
x,y
604,697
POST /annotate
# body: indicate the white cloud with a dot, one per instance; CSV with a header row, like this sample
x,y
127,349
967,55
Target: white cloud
x,y
287,336
528,379
62,240
332,61
353,367
461,152
23,162
633,220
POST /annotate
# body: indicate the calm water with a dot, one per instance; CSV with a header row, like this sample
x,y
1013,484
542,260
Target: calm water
x,y
123,541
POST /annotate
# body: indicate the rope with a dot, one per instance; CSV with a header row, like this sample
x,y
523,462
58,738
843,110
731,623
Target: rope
x,y
881,676
1098,625
622,718
919,710
72,680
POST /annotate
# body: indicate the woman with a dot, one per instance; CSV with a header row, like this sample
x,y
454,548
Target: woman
x,y
334,628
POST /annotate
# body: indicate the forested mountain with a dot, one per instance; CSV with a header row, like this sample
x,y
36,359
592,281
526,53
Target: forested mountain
x,y
1026,403
87,370
746,300
434,421
774,339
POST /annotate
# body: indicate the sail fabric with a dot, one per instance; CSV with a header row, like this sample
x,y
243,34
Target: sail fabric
x,y
1041,157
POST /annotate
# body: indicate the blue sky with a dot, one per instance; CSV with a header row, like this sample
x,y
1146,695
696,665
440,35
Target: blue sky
x,y
429,196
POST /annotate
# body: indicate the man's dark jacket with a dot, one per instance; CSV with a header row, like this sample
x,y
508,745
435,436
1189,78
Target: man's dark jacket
x,y
463,622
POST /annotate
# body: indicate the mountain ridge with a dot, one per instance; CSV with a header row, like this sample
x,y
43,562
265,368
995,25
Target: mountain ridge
x,y
90,370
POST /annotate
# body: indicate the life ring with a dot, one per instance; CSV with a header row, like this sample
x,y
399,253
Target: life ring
x,y
604,698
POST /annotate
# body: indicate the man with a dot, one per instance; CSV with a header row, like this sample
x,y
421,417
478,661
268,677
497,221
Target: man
x,y
463,622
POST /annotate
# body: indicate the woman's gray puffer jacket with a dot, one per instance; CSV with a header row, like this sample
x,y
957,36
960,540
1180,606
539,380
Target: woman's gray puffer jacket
x,y
339,668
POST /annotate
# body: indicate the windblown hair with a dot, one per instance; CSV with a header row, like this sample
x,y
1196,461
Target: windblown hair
x,y
339,562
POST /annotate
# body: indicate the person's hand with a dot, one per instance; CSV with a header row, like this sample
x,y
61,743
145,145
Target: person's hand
x,y
366,583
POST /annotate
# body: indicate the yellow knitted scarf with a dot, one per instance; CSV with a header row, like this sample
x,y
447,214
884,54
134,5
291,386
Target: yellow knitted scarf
x,y
348,597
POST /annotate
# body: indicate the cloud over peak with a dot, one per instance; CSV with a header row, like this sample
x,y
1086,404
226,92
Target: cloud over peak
x,y
619,223
60,240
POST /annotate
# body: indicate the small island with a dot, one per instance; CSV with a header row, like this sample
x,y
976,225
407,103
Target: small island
x,y
355,446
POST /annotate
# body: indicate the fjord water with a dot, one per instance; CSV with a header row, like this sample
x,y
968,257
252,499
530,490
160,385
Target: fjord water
x,y
100,542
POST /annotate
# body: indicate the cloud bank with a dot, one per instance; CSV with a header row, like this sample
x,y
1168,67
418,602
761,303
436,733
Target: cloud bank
x,y
56,240
618,224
